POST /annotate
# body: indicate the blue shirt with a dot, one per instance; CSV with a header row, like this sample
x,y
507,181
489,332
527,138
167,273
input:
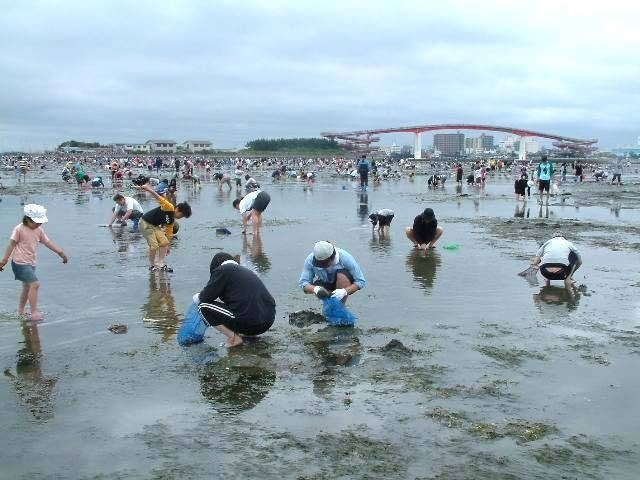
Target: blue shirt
x,y
312,274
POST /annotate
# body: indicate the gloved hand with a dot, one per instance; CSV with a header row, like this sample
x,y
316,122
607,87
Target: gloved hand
x,y
196,298
320,292
339,293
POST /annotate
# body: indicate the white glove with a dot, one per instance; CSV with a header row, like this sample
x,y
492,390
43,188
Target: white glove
x,y
196,298
339,293
320,292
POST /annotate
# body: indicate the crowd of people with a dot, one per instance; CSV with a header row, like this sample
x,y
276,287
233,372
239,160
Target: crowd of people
x,y
235,301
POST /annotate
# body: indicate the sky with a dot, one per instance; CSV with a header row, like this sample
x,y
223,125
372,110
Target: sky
x,y
233,71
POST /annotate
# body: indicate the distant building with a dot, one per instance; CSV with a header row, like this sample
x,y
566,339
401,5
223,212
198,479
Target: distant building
x,y
480,144
134,147
449,143
197,145
168,146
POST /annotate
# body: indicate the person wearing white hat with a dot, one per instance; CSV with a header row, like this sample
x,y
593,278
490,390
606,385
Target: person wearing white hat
x,y
331,272
22,251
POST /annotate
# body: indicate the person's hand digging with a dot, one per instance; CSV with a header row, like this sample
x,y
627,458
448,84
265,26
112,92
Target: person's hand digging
x,y
321,292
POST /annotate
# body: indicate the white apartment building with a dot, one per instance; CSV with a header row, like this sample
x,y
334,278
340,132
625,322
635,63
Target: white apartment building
x,y
197,145
161,145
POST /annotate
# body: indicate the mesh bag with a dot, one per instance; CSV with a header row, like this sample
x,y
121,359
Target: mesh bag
x,y
336,313
193,326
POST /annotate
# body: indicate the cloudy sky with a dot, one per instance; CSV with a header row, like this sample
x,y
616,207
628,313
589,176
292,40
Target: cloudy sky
x,y
232,71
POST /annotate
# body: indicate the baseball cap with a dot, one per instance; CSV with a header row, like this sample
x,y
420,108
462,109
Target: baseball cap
x,y
322,251
36,212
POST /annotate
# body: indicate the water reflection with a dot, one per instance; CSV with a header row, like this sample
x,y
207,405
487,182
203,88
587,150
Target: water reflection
x,y
122,239
333,348
363,207
423,264
521,208
34,390
380,242
237,382
159,312
252,249
554,296
546,212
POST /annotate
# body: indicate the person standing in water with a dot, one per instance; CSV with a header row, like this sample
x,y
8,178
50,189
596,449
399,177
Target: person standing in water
x,y
22,248
363,170
545,174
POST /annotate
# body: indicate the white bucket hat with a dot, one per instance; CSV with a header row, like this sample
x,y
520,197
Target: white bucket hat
x,y
36,212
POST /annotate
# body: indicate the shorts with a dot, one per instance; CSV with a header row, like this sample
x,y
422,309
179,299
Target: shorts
x,y
24,273
238,182
217,313
618,176
155,236
543,185
520,186
384,220
261,202
331,286
560,274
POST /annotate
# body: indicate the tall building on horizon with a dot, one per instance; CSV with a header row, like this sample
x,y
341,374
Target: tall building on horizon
x,y
449,143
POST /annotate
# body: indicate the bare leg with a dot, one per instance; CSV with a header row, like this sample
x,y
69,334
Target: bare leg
x,y
161,254
439,232
409,233
256,219
32,296
233,339
342,281
22,301
152,257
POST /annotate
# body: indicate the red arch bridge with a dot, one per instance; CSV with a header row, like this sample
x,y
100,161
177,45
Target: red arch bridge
x,y
362,139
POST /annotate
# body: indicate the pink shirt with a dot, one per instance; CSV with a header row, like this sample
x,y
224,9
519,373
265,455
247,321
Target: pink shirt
x,y
26,244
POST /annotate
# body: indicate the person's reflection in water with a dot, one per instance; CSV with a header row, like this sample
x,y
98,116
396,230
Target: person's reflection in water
x,y
159,313
254,252
222,196
557,296
519,213
239,381
546,212
363,207
380,243
459,189
33,389
333,348
424,264
122,239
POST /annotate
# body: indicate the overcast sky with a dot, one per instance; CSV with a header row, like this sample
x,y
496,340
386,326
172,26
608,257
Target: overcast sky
x,y
233,71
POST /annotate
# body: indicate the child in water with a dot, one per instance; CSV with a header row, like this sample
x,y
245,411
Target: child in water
x,y
22,250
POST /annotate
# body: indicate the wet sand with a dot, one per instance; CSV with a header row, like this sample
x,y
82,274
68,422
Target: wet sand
x,y
456,369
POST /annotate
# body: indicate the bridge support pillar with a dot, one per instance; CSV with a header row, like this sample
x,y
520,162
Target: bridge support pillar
x,y
417,145
522,154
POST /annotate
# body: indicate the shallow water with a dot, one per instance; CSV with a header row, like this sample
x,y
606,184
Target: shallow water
x,y
489,376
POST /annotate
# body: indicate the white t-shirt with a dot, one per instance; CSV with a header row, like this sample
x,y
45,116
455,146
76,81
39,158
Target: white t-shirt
x,y
130,204
247,202
556,250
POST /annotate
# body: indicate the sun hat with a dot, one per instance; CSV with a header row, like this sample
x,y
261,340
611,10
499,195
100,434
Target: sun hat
x,y
322,251
36,212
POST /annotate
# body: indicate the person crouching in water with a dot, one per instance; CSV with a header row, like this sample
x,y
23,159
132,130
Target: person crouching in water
x,y
235,301
382,218
558,259
425,231
157,227
331,272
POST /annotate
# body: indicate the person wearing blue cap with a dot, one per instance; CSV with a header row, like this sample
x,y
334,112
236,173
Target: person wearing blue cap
x,y
331,272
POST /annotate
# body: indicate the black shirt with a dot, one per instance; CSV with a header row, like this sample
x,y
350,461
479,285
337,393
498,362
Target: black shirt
x,y
242,292
158,217
424,230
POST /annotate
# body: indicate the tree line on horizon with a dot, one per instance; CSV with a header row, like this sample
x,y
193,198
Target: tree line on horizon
x,y
282,144
75,143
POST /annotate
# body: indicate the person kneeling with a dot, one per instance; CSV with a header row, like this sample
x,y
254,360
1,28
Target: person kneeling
x,y
235,301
